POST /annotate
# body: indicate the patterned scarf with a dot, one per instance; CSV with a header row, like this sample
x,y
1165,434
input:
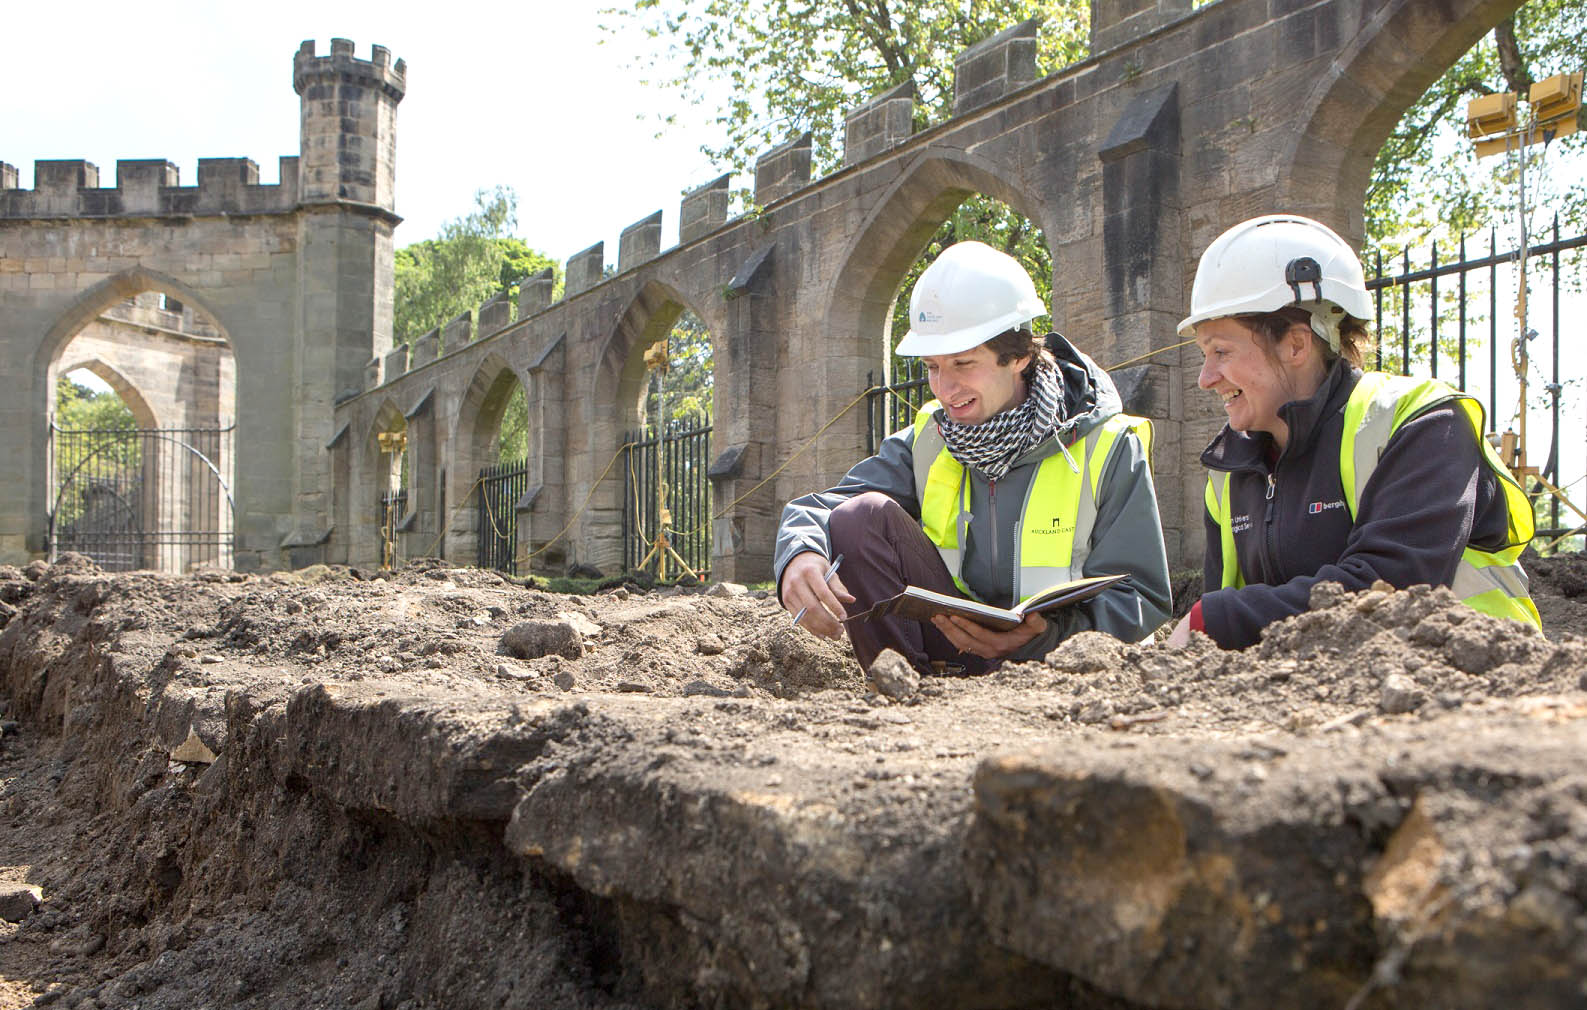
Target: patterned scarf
x,y
993,445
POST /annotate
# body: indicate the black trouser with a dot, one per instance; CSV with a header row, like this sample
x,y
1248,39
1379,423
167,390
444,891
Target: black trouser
x,y
883,551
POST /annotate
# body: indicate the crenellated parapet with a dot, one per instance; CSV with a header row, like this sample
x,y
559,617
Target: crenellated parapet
x,y
147,188
347,156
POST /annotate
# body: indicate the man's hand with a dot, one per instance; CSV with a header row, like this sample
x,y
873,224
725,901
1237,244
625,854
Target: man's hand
x,y
979,640
1180,636
803,587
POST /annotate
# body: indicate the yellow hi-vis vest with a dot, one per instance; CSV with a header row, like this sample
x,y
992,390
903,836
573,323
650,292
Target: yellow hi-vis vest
x,y
1490,581
1053,538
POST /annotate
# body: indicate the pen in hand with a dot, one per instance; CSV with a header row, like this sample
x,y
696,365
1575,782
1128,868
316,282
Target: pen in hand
x,y
832,570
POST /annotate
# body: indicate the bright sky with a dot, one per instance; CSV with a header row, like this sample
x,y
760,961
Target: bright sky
x,y
534,96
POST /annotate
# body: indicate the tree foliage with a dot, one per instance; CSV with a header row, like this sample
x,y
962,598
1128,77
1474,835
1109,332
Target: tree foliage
x,y
772,69
683,394
80,408
1427,180
475,258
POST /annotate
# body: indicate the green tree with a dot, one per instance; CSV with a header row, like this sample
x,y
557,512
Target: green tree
x,y
512,438
79,408
775,68
94,449
1427,180
475,258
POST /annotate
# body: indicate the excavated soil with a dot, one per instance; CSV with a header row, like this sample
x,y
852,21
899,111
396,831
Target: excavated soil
x,y
441,789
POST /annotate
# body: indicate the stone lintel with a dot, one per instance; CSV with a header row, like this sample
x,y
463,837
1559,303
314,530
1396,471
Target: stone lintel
x,y
639,242
1117,22
495,315
879,125
995,67
457,331
703,210
584,270
783,170
534,293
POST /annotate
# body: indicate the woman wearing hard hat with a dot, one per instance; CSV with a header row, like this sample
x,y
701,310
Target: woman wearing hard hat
x,y
1325,473
1022,474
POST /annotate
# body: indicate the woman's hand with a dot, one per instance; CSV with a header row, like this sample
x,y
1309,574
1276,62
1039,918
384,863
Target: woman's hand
x,y
979,640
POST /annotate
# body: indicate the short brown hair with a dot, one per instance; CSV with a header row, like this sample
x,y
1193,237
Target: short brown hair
x,y
1273,326
1011,345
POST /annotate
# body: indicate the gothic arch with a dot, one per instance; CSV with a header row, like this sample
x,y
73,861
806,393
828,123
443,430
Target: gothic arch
x,y
142,413
96,299
1359,97
899,226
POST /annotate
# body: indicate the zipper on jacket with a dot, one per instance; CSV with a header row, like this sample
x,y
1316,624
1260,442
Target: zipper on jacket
x,y
1269,542
991,504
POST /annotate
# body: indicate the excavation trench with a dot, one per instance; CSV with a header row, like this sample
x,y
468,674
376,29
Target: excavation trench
x,y
442,789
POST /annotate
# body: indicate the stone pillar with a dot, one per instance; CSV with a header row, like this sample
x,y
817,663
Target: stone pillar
x,y
995,67
544,509
8,176
639,242
703,210
744,434
397,360
879,125
1143,274
783,170
426,349
140,182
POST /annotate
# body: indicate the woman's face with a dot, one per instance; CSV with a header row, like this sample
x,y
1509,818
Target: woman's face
x,y
1249,378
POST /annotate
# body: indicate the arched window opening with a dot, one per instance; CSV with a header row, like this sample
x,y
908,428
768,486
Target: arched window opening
x,y
141,402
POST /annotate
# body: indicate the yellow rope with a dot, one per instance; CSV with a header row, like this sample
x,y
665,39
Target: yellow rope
x,y
593,488
1150,354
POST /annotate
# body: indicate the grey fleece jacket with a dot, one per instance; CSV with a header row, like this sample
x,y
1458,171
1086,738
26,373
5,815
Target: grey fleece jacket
x,y
1127,538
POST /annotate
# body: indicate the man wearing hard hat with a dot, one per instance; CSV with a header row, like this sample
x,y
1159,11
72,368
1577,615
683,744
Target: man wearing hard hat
x,y
1023,473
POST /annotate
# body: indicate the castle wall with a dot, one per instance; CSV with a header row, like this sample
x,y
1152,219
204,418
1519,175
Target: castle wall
x,y
287,271
1181,123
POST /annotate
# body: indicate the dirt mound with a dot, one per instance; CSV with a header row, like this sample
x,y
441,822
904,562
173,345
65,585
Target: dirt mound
x,y
337,787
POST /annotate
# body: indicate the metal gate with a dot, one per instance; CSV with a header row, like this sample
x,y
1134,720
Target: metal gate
x,y
500,488
666,492
155,498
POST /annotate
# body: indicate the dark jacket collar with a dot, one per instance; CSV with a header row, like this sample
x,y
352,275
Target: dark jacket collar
x,y
1237,450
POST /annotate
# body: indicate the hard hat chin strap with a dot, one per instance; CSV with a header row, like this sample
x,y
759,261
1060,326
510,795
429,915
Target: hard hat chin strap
x,y
1325,319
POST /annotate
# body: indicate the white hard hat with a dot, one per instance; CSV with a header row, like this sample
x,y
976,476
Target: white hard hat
x,y
968,295
1270,262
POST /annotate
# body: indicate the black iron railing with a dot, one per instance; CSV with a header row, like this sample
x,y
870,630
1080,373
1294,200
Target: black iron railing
x,y
665,485
157,498
500,488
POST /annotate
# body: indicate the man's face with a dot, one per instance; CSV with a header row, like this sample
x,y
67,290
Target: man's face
x,y
972,386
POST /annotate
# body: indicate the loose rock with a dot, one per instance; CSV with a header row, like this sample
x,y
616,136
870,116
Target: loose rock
x,y
18,901
533,639
893,677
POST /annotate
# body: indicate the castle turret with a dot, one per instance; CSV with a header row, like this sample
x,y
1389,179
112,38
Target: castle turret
x,y
349,124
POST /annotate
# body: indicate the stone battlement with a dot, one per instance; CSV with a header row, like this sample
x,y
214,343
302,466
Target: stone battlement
x,y
342,65
147,188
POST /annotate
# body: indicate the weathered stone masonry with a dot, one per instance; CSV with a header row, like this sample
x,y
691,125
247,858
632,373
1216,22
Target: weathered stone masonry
x,y
1179,124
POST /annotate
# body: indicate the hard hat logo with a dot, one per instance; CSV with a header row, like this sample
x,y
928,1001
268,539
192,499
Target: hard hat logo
x,y
1270,262
968,295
